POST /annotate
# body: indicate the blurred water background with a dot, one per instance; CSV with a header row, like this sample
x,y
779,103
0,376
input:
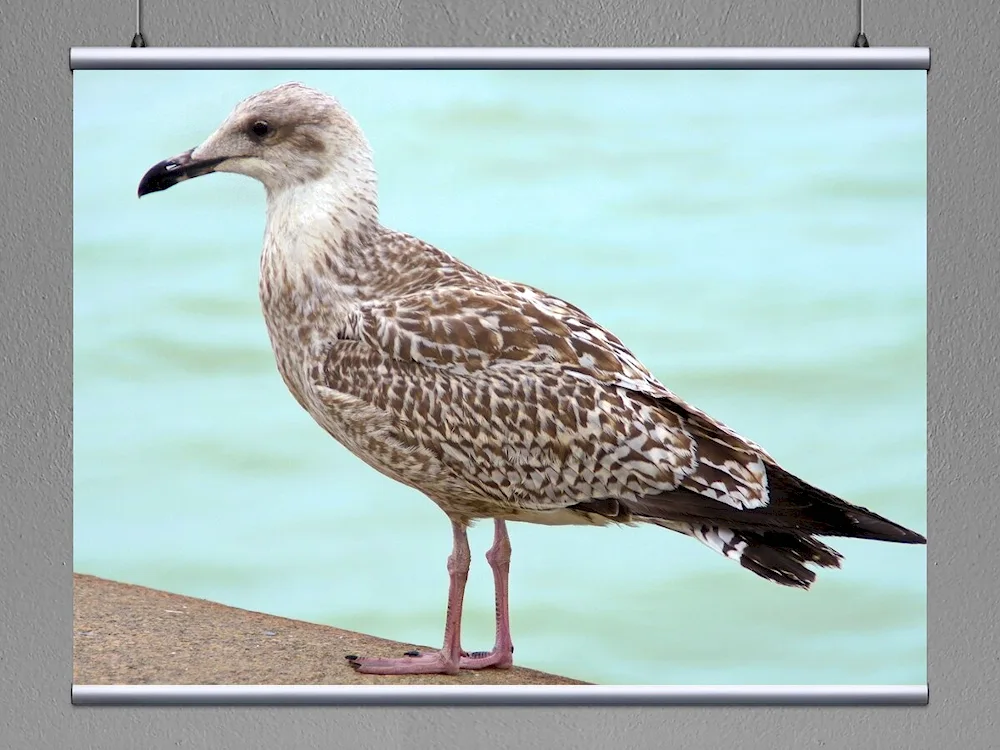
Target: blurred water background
x,y
756,237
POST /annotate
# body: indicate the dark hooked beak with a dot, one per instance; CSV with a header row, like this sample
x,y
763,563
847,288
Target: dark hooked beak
x,y
176,169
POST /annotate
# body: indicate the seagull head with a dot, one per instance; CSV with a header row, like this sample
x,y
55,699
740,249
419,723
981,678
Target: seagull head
x,y
285,136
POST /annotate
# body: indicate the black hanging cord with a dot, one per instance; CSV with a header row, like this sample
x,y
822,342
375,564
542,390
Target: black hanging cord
x,y
861,40
138,40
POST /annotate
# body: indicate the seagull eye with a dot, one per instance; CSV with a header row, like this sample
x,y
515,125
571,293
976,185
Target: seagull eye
x,y
260,128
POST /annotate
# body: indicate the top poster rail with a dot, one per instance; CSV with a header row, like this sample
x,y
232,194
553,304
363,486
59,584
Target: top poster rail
x,y
498,58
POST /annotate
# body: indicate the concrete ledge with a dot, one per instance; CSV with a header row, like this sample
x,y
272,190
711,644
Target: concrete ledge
x,y
131,635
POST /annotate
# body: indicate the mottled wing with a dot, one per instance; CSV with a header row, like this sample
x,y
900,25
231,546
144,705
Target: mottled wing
x,y
730,468
466,330
535,440
628,371
526,366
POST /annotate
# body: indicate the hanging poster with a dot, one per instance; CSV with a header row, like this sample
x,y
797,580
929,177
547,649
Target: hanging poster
x,y
668,325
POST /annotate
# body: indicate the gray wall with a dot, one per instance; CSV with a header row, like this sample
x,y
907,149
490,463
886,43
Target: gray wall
x,y
35,357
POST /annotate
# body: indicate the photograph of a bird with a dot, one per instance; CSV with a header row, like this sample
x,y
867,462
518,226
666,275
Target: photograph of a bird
x,y
493,398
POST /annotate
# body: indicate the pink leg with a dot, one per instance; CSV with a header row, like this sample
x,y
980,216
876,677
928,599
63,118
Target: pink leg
x,y
445,661
502,655
451,658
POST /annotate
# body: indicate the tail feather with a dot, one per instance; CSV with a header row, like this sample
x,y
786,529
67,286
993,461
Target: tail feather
x,y
775,556
782,558
794,507
775,541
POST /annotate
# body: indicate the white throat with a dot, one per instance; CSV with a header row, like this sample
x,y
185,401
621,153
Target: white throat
x,y
318,221
313,246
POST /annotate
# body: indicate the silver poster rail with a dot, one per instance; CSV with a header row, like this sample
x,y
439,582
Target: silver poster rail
x,y
504,695
553,58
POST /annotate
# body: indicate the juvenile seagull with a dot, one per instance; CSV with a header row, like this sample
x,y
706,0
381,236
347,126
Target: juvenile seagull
x,y
493,398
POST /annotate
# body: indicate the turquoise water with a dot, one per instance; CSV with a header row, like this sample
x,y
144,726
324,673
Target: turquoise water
x,y
757,238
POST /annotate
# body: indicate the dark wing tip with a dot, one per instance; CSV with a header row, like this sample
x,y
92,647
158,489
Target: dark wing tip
x,y
873,526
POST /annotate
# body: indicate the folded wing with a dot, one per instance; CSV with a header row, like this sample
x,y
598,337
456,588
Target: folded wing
x,y
527,399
